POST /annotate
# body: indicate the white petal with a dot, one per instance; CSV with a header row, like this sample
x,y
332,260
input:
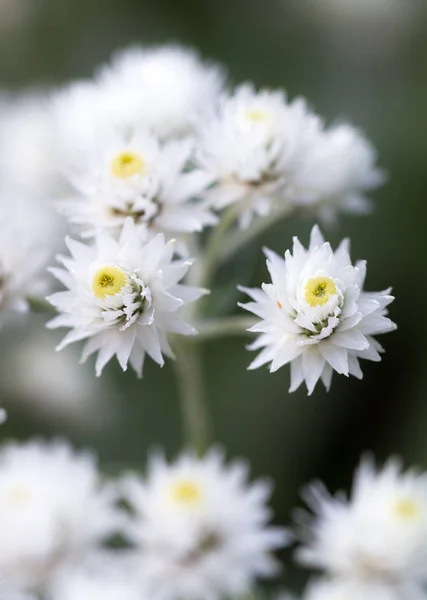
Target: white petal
x,y
336,356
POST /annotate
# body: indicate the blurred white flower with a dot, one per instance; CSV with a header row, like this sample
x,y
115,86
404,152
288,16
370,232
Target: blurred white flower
x,y
139,178
253,148
166,88
315,314
53,509
354,589
380,534
337,173
124,296
200,530
106,579
7,593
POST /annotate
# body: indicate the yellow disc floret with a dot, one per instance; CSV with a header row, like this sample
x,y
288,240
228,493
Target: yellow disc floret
x,y
407,509
108,281
186,492
318,290
257,115
127,164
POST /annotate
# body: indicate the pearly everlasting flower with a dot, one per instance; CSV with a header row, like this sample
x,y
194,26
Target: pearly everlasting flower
x,y
379,534
139,178
200,530
315,314
53,510
354,589
253,148
167,89
337,173
123,297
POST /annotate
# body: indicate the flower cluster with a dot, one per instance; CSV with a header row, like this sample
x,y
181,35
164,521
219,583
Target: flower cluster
x,y
197,528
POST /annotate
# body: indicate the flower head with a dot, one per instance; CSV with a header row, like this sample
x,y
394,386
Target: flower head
x,y
380,534
315,314
199,529
140,178
354,589
253,147
53,510
123,297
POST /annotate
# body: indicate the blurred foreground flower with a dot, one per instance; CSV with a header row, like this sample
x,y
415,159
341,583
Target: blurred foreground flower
x,y
124,295
200,530
379,535
53,510
354,589
315,314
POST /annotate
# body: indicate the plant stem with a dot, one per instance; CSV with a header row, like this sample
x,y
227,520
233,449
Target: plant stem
x,y
214,328
41,305
189,377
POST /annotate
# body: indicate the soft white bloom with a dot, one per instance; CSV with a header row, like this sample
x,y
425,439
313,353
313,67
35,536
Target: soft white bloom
x,y
138,177
354,589
22,267
106,579
200,530
167,89
53,509
6,593
380,533
123,297
315,314
337,172
253,148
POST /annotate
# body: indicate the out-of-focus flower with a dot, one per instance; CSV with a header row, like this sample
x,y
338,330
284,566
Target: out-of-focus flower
x,y
380,534
200,530
354,589
53,510
139,178
167,89
124,296
315,314
105,579
253,148
337,173
6,593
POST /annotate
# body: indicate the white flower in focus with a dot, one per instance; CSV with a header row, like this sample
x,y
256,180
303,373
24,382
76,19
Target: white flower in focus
x,y
354,589
380,534
200,530
138,178
53,510
21,268
315,314
337,173
123,297
253,148
167,89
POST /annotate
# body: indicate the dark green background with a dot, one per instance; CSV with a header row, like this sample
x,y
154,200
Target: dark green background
x,y
373,73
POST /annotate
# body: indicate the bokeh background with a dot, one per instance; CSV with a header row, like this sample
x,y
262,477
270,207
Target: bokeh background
x,y
360,60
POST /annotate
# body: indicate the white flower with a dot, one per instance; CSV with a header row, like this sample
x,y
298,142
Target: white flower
x,y
106,579
124,297
21,267
379,534
167,89
53,509
315,314
338,171
6,593
253,148
139,178
200,529
354,589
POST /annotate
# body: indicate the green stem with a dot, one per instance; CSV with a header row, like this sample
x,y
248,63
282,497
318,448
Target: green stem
x,y
41,305
189,377
214,328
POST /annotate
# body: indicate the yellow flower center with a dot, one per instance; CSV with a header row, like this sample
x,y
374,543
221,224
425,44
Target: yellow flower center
x,y
127,164
18,496
108,281
407,509
258,115
318,290
186,492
